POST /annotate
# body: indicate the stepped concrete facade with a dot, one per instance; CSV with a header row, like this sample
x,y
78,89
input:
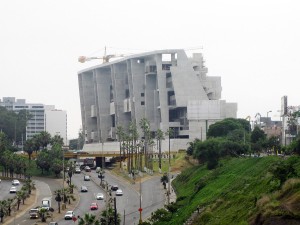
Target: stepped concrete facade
x,y
168,88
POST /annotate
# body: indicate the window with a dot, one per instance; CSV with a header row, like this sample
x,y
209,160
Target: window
x,y
142,103
142,94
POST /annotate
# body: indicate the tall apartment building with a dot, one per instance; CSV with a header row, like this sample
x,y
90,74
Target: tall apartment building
x,y
56,122
43,117
166,87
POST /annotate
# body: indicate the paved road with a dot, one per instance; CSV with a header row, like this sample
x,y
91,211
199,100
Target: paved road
x,y
5,185
153,197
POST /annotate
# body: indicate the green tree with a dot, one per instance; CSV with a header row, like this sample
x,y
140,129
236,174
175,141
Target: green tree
x,y
44,138
43,161
258,140
283,170
145,126
108,217
13,124
57,139
159,138
224,127
160,216
29,147
88,219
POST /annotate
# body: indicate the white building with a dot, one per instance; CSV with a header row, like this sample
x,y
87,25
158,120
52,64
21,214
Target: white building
x,y
56,122
43,118
166,87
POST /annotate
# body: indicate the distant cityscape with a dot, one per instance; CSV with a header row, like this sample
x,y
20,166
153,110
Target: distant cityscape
x,y
43,118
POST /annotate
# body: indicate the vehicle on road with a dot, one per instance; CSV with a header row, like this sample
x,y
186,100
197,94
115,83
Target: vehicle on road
x,y
77,170
53,223
98,169
94,206
15,182
100,196
86,178
34,213
69,215
13,190
114,187
87,169
101,175
46,203
84,189
119,192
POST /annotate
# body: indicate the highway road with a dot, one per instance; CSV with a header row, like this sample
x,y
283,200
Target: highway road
x,y
127,205
5,186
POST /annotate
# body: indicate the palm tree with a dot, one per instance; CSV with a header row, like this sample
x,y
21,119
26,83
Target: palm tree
x,y
121,134
108,217
88,219
159,137
57,139
44,139
134,137
145,126
29,148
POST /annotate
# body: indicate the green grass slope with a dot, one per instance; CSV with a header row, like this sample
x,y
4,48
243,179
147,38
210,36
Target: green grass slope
x,y
232,193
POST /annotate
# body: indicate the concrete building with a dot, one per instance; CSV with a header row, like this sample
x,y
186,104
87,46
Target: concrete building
x,y
43,117
166,87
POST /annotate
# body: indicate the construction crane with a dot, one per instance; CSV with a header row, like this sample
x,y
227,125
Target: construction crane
x,y
105,57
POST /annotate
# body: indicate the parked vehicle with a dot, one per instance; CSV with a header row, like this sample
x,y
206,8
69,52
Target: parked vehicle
x,y
87,169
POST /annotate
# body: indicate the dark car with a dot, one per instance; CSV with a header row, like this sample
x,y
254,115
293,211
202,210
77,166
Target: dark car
x,y
114,187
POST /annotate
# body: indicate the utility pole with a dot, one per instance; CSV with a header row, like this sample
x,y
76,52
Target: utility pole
x,y
140,209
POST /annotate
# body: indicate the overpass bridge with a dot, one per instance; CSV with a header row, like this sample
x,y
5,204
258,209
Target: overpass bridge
x,y
100,154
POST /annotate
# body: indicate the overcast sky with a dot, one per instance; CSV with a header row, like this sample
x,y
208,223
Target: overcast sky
x,y
253,46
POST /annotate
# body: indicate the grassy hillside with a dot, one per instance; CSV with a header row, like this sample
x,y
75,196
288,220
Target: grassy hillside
x,y
234,192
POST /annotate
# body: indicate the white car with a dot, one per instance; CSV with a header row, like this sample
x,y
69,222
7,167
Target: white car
x,y
77,170
100,196
119,192
69,215
13,190
86,178
15,182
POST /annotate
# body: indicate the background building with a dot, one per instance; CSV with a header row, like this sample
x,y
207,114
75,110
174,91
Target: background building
x,y
56,122
166,87
43,118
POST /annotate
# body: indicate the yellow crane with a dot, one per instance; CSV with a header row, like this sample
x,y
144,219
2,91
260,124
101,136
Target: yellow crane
x,y
105,58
